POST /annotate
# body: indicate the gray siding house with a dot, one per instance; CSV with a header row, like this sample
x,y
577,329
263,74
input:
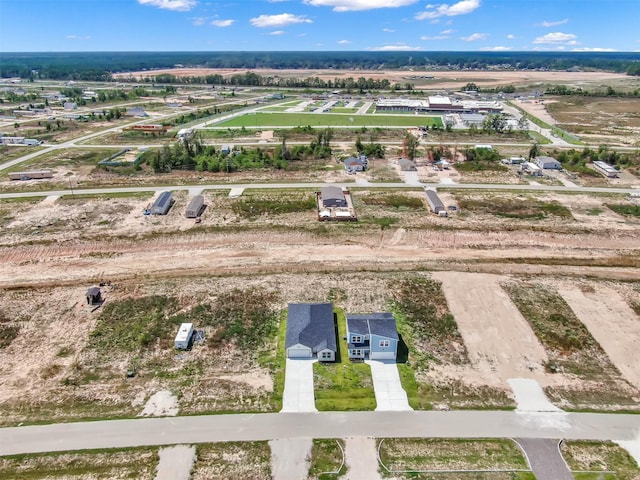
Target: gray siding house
x,y
333,196
311,331
548,163
356,164
372,335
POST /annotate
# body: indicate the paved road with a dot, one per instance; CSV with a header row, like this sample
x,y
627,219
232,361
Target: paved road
x,y
267,426
280,186
545,458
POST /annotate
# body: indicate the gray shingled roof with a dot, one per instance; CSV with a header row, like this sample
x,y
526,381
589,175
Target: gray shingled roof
x,y
377,323
311,324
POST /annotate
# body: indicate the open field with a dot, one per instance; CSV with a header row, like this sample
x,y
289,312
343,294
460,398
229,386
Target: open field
x,y
597,119
441,79
139,463
406,458
598,457
254,120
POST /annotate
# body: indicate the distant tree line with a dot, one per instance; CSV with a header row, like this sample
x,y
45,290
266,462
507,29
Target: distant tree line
x,y
608,91
99,66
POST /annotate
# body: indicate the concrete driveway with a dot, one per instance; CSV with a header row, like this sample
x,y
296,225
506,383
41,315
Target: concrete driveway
x,y
298,393
390,396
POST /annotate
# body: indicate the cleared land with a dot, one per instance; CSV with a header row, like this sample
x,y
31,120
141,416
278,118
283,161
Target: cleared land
x,y
499,340
619,336
442,79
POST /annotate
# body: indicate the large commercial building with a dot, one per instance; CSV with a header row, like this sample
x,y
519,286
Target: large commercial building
x,y
437,104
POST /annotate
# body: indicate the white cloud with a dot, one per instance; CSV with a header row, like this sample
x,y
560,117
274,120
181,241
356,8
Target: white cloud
x,y
277,32
78,37
344,42
388,30
496,49
447,32
199,21
511,37
553,24
435,37
357,5
555,38
177,5
474,37
461,8
394,48
222,23
595,49
280,20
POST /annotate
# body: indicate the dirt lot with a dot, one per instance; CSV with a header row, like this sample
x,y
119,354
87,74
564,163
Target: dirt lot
x,y
500,342
620,335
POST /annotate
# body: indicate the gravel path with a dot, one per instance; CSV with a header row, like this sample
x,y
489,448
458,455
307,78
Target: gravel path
x,y
176,462
361,458
290,458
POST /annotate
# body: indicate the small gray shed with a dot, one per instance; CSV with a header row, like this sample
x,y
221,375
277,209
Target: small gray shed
x,y
194,209
162,204
94,296
333,196
434,201
407,165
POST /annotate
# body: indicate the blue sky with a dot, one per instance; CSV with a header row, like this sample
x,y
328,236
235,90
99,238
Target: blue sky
x,y
341,25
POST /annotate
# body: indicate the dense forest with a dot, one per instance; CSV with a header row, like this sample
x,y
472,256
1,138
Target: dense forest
x,y
99,66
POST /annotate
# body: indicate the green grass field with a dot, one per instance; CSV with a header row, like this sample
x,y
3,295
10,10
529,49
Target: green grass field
x,y
261,119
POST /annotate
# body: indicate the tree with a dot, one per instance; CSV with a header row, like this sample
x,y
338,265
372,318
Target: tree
x,y
523,123
411,143
359,146
534,151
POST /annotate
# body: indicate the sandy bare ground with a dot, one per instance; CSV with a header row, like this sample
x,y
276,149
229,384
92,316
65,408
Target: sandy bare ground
x,y
177,258
612,323
538,109
499,340
361,457
441,79
161,404
176,462
290,458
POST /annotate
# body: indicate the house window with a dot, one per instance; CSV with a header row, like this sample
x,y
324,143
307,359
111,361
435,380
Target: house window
x,y
356,339
384,343
356,353
326,355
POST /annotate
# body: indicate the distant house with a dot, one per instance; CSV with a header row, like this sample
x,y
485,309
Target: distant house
x,y
333,197
373,336
407,165
548,163
94,296
356,164
136,112
226,149
70,105
311,331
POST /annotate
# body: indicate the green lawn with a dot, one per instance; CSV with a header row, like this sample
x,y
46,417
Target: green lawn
x,y
343,385
328,119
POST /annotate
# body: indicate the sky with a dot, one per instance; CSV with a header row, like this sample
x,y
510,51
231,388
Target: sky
x,y
319,25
